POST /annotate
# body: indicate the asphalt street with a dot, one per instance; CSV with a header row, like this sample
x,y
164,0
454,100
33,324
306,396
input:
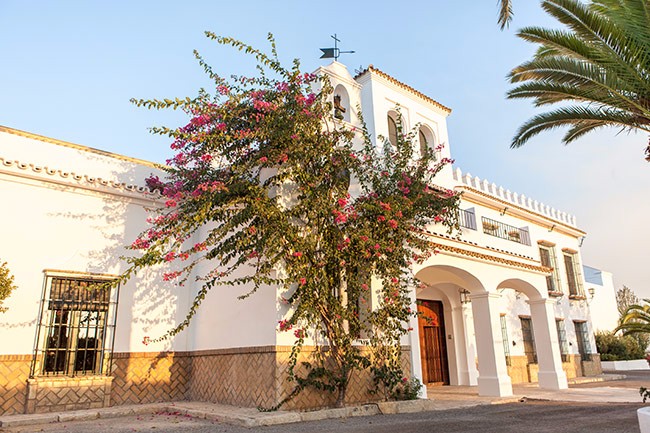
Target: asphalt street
x,y
530,417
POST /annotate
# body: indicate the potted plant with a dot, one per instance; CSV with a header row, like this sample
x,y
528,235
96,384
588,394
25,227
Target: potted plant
x,y
489,227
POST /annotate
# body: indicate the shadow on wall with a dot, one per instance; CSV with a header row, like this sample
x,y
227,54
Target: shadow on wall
x,y
148,306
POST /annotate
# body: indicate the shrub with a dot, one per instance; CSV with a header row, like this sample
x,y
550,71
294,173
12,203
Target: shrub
x,y
619,348
6,284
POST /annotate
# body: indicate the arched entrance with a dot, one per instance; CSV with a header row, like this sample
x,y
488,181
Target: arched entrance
x,y
433,344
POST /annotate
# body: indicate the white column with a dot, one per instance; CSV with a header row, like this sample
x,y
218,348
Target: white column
x,y
551,375
414,336
465,345
493,379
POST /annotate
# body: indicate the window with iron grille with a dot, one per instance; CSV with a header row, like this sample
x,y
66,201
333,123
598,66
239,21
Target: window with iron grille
x,y
467,218
573,274
582,335
548,259
506,340
562,341
529,339
76,329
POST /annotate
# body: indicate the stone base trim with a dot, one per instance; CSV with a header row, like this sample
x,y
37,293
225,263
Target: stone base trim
x,y
56,394
14,372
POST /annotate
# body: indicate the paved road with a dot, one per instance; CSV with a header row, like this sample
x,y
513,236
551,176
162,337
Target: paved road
x,y
530,417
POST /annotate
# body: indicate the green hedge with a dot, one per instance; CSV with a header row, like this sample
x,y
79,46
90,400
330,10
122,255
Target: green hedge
x,y
621,348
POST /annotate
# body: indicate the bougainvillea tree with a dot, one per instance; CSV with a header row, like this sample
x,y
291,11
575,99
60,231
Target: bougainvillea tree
x,y
305,204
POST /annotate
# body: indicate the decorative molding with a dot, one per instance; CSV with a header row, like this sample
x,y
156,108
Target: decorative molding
x,y
474,244
48,174
491,258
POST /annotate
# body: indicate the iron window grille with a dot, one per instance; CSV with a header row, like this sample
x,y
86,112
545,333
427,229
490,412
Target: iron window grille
x,y
506,340
467,218
77,326
548,259
529,340
582,335
562,341
505,231
573,275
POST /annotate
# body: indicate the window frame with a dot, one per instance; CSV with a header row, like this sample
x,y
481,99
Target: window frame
x,y
552,281
62,319
573,274
392,136
562,340
506,340
582,339
530,350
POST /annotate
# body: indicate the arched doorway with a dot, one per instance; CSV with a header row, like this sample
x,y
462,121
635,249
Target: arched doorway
x,y
433,345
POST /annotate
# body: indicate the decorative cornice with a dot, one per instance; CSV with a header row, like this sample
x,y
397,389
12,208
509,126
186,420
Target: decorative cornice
x,y
54,175
372,69
475,245
44,139
490,258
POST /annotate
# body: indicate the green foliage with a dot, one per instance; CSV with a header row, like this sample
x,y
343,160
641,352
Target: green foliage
x,y
619,348
408,390
636,319
261,183
6,284
600,64
645,393
625,298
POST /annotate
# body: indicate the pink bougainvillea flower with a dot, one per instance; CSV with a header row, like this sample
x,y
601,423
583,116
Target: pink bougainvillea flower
x,y
285,325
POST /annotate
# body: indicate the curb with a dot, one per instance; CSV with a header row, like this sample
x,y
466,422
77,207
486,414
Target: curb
x,y
244,417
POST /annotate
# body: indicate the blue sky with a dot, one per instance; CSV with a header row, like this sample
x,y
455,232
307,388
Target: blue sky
x,y
69,68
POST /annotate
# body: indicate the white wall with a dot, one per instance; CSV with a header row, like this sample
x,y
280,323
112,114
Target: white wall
x,y
56,221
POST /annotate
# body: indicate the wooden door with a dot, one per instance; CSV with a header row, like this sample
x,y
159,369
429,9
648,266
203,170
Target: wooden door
x,y
433,345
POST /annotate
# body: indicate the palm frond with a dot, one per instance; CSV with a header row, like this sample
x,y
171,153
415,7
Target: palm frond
x,y
601,59
505,13
578,116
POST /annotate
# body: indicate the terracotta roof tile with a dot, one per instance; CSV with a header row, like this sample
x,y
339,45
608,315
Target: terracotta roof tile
x,y
393,80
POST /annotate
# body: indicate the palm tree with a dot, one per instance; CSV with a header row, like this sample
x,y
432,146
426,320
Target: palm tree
x,y
635,319
505,13
600,65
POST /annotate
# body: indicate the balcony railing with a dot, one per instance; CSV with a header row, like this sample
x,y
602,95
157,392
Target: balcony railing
x,y
504,231
467,219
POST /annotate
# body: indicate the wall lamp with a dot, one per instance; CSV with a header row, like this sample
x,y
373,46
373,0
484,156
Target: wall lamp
x,y
464,296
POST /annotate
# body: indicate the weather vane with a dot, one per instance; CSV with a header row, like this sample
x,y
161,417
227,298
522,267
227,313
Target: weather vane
x,y
329,53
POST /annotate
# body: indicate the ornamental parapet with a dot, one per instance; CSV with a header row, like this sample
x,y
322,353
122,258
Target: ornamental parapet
x,y
520,200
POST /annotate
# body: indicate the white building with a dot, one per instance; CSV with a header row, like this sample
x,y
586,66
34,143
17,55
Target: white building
x,y
506,295
602,298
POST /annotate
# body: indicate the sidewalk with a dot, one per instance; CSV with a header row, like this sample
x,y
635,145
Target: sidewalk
x,y
440,398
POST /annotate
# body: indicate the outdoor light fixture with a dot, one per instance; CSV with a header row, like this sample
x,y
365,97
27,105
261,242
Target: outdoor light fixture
x,y
464,296
592,292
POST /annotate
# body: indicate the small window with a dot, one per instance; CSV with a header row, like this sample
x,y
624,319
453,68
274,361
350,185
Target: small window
x,y
529,340
76,328
506,340
582,336
392,131
427,142
573,275
562,341
424,143
548,259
